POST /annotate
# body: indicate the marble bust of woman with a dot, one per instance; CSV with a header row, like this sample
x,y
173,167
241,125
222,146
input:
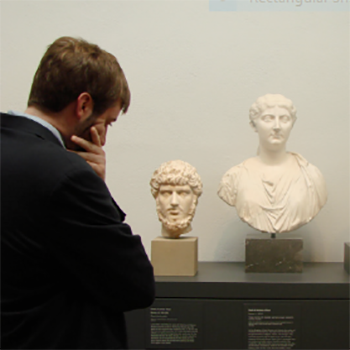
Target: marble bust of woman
x,y
276,191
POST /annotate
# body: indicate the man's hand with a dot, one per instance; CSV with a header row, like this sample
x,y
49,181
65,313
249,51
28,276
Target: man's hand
x,y
94,155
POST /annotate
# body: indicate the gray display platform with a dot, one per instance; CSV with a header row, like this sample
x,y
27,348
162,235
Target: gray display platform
x,y
222,307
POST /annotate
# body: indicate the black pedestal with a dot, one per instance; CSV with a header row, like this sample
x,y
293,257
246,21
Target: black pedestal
x,y
347,257
273,255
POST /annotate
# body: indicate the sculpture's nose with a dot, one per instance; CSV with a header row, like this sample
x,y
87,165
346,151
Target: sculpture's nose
x,y
174,199
277,124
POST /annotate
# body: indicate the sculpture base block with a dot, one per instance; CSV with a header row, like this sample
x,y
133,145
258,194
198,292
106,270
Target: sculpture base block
x,y
273,255
175,256
347,257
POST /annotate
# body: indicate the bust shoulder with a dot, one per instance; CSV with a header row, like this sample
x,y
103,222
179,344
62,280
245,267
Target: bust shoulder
x,y
314,178
228,185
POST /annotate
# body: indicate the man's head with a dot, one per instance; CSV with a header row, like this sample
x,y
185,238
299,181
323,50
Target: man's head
x,y
176,186
71,67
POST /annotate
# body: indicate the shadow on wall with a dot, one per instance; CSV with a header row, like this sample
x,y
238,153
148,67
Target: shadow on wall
x,y
231,242
315,249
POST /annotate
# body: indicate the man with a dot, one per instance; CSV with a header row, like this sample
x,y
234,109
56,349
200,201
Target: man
x,y
176,186
70,265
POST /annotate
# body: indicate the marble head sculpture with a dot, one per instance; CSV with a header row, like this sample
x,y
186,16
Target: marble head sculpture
x,y
176,186
276,191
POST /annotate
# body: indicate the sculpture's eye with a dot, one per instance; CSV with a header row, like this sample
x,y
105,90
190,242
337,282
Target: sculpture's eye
x,y
285,118
267,118
165,193
183,193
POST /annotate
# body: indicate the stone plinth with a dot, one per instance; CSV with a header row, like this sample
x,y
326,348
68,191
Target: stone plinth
x,y
175,257
347,257
273,255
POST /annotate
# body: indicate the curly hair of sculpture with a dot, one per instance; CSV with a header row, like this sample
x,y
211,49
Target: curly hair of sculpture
x,y
176,186
276,191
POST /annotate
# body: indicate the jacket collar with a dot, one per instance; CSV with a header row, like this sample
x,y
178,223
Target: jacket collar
x,y
28,126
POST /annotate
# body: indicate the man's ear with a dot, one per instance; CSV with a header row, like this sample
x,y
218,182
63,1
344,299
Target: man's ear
x,y
84,106
252,124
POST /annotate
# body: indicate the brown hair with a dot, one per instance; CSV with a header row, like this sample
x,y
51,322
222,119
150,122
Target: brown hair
x,y
71,66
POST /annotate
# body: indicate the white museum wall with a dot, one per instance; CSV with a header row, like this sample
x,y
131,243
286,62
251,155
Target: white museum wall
x,y
193,75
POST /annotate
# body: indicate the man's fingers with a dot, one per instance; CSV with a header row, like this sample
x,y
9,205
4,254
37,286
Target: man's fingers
x,y
96,158
81,142
94,154
83,155
87,145
96,139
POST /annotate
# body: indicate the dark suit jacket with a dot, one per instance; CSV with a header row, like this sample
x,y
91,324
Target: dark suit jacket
x,y
70,265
